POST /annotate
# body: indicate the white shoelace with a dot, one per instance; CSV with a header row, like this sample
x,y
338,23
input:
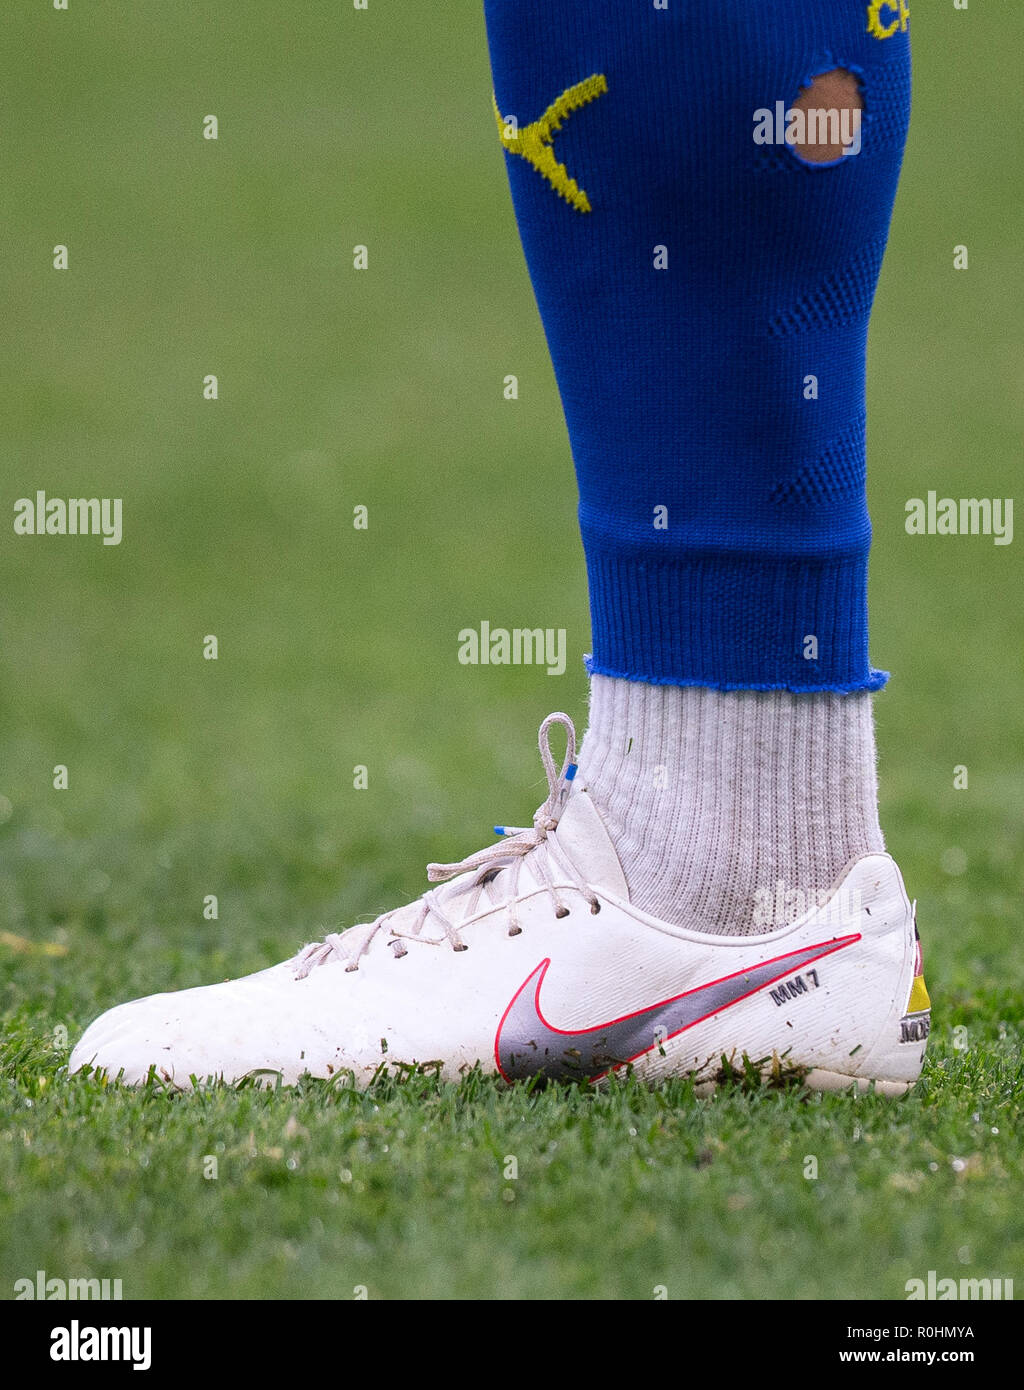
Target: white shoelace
x,y
485,885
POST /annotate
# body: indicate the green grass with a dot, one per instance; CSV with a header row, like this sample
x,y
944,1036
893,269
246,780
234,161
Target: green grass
x,y
319,1189
338,648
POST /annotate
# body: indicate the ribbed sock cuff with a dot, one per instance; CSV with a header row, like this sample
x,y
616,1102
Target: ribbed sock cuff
x,y
731,622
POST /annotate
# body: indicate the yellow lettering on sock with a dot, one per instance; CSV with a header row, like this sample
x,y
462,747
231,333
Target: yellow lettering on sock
x,y
884,29
535,142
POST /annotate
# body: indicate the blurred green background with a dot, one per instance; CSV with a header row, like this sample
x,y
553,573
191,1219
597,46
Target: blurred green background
x,y
384,388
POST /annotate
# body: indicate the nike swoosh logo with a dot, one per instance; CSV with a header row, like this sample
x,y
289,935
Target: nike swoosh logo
x,y
526,1044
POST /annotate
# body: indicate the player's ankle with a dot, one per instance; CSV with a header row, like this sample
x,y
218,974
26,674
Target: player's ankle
x,y
716,798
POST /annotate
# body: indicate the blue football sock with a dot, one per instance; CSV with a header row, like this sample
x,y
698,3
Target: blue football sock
x,y
705,293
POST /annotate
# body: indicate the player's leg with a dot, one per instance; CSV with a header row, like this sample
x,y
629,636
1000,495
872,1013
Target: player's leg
x,y
713,882
706,301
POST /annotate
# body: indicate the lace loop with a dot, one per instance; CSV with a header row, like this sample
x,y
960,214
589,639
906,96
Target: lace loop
x,y
546,817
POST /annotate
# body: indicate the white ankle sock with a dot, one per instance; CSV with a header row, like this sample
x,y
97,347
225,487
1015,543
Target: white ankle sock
x,y
716,798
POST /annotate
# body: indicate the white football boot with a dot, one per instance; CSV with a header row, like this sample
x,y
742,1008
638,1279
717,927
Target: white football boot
x,y
531,959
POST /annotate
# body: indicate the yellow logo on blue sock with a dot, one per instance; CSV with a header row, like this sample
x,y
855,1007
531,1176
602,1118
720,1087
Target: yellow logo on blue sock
x,y
535,141
897,17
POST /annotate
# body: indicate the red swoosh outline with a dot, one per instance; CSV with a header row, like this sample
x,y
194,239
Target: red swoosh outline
x,y
827,949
